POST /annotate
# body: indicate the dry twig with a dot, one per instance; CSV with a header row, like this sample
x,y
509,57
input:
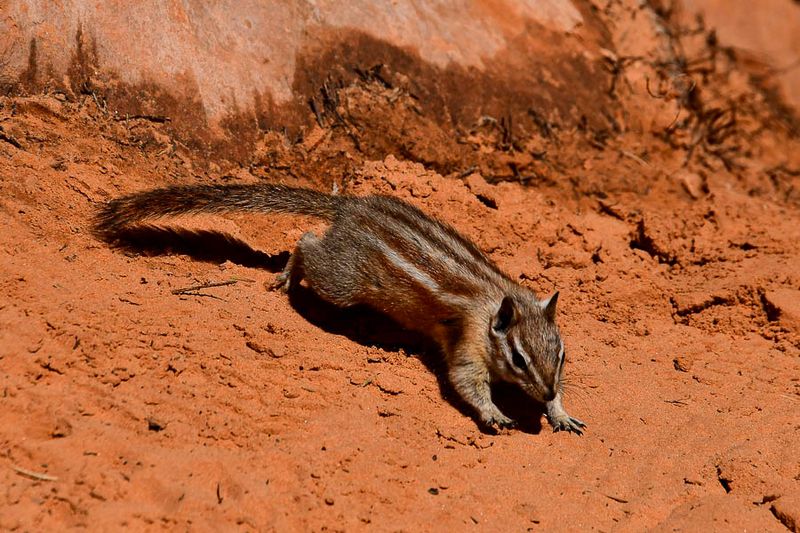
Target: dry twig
x,y
33,475
194,288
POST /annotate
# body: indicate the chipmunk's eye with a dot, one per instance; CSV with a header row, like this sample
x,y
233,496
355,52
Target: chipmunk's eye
x,y
518,360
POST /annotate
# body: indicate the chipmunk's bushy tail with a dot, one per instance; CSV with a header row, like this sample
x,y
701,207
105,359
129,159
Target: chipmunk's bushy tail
x,y
188,199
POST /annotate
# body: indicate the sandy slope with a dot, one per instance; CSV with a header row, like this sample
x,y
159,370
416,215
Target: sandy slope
x,y
232,406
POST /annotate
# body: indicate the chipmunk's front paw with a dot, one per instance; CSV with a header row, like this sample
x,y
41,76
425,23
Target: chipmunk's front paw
x,y
567,423
497,421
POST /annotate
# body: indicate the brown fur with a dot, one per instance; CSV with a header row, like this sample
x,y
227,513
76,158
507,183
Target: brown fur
x,y
385,253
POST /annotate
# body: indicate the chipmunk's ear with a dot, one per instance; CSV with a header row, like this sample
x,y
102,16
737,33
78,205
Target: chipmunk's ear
x,y
549,306
505,315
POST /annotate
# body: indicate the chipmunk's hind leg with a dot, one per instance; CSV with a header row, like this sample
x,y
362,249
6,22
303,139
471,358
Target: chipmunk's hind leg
x,y
294,272
327,266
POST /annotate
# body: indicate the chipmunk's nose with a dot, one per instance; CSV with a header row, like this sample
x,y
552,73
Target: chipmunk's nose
x,y
549,394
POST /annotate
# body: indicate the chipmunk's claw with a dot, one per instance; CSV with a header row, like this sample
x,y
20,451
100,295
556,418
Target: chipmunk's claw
x,y
498,422
567,423
282,282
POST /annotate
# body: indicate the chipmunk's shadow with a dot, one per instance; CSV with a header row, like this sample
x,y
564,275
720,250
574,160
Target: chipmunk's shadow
x,y
360,324
203,245
368,327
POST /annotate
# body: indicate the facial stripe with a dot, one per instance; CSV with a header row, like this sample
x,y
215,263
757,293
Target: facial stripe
x,y
530,367
520,351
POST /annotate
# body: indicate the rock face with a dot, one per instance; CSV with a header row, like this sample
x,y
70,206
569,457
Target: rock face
x,y
217,68
222,73
753,33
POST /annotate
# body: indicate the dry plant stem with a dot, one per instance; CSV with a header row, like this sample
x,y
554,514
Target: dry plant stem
x,y
195,288
33,475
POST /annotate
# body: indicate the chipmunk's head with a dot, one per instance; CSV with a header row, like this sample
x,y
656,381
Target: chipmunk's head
x,y
528,349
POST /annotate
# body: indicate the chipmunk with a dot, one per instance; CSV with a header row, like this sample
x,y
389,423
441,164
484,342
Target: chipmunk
x,y
385,253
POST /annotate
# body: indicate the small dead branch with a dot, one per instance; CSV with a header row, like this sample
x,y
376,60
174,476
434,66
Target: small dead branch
x,y
312,103
545,126
9,139
468,171
650,92
616,67
676,402
33,475
635,157
374,74
507,129
676,91
103,108
674,120
192,291
159,119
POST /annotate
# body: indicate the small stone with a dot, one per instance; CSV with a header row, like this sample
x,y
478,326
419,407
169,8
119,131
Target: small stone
x,y
154,424
61,429
784,305
683,363
484,192
389,384
694,184
277,352
787,510
421,190
262,349
690,303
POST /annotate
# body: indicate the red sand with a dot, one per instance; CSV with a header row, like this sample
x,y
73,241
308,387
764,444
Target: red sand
x,y
125,404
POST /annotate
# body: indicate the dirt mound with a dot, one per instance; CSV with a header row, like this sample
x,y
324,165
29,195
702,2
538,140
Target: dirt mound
x,y
159,384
